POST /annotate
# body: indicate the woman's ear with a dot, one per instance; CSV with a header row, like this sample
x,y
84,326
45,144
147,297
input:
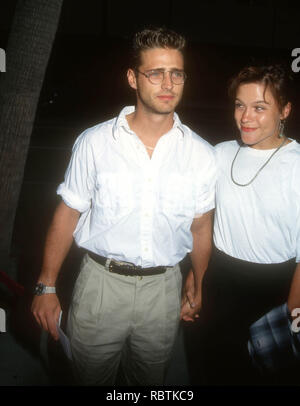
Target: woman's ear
x,y
286,111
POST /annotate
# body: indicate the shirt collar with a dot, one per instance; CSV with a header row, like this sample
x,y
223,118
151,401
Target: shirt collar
x,y
121,122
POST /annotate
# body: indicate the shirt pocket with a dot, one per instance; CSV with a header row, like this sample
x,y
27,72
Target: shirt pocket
x,y
177,195
114,195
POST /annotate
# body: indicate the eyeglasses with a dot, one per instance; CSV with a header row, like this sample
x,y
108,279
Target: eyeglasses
x,y
156,76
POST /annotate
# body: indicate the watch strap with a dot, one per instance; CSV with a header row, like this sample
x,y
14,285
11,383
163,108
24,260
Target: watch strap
x,y
49,289
41,289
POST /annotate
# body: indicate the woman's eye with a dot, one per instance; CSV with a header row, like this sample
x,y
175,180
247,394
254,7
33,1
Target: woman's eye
x,y
238,105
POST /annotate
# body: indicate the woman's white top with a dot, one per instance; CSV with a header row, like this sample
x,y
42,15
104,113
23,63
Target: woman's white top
x,y
259,222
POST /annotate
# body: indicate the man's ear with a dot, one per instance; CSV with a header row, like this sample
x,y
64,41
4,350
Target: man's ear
x,y
131,78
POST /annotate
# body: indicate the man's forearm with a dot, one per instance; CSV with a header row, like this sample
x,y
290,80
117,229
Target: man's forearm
x,y
200,257
202,247
58,242
46,308
201,229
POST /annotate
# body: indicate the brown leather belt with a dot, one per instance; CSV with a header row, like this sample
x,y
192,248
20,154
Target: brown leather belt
x,y
127,268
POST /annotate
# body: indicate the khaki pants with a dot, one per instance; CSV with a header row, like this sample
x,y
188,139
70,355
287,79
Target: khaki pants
x,y
117,319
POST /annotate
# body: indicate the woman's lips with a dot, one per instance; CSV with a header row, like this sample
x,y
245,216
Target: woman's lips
x,y
247,129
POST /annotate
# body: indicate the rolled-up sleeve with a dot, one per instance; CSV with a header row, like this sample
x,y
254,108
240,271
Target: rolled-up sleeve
x,y
79,182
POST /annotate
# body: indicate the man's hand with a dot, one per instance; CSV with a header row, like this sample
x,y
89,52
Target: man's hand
x,y
46,310
188,313
189,289
190,304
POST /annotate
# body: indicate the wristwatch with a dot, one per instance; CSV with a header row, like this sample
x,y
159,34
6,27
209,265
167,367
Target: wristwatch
x,y
41,289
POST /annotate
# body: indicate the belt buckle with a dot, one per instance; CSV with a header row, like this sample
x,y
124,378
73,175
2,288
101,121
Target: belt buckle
x,y
128,268
138,268
113,263
110,266
131,269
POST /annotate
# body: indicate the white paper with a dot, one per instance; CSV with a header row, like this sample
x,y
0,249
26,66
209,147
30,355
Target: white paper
x,y
64,339
2,321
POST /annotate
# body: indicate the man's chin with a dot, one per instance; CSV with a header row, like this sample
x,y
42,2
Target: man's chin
x,y
161,108
164,109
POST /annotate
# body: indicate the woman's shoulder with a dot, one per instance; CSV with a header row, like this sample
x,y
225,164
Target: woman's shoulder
x,y
294,146
226,146
291,153
292,158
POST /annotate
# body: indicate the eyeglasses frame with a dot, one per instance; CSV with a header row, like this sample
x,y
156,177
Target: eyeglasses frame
x,y
163,72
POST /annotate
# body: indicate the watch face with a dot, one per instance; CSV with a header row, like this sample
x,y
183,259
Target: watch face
x,y
39,289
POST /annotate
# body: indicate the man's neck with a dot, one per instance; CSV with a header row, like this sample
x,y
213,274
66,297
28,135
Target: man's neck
x,y
150,126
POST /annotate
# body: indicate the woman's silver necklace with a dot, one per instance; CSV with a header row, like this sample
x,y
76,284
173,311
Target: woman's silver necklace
x,y
260,169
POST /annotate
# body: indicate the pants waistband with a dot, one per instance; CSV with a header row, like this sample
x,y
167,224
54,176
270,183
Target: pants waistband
x,y
220,255
126,268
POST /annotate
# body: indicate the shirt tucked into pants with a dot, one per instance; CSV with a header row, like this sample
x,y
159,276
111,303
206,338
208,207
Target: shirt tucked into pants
x,y
112,319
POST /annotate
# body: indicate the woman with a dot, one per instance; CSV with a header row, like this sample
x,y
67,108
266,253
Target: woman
x,y
256,230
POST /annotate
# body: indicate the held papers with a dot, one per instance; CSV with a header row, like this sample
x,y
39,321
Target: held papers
x,y
64,339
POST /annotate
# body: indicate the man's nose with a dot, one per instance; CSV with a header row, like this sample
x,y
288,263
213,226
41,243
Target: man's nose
x,y
167,81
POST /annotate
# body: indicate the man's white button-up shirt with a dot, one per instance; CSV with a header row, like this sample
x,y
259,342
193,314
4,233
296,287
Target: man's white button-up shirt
x,y
134,208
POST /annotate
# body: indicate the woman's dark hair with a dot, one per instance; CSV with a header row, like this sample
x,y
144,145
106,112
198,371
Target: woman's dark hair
x,y
150,38
274,77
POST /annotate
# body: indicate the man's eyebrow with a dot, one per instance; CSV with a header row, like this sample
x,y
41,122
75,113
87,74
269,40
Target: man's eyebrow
x,y
163,69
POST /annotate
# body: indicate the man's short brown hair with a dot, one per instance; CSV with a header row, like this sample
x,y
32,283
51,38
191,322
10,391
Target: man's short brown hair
x,y
150,38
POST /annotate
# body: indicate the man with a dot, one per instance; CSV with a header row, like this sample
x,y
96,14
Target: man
x,y
138,196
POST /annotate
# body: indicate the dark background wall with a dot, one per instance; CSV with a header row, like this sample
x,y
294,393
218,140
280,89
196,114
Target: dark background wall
x,y
86,79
